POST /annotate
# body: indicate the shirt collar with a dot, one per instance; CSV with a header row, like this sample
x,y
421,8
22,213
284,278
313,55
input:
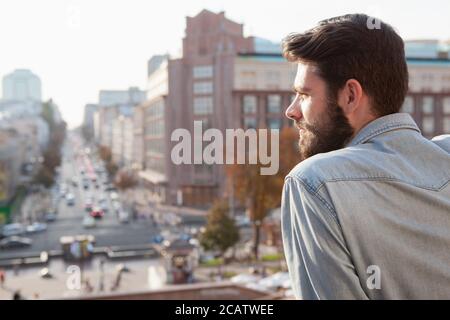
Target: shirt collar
x,y
384,124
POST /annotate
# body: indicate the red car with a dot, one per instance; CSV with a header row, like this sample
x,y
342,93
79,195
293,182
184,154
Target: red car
x,y
97,213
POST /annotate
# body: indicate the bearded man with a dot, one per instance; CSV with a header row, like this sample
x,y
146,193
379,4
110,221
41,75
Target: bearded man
x,y
366,213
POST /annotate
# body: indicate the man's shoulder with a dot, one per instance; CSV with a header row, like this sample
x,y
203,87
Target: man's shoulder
x,y
349,162
443,141
369,161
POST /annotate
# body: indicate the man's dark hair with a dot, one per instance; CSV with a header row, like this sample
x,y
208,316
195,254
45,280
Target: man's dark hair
x,y
354,46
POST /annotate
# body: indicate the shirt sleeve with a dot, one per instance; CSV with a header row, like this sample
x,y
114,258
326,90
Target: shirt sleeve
x,y
319,263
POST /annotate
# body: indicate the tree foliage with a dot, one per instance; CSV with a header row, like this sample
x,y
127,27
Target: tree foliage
x,y
221,231
260,193
52,154
125,179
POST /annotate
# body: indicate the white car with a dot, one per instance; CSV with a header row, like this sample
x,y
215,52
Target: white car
x,y
114,196
13,229
89,222
70,199
36,227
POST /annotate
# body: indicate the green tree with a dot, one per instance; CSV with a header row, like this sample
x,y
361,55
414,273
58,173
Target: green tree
x,y
221,231
52,153
47,113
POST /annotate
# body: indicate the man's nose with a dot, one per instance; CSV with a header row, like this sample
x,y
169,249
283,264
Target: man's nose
x,y
293,111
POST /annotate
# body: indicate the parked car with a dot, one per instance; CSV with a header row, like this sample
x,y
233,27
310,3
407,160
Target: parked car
x,y
88,222
15,242
13,229
36,227
97,213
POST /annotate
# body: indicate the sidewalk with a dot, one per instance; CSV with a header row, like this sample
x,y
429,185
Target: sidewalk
x,y
143,275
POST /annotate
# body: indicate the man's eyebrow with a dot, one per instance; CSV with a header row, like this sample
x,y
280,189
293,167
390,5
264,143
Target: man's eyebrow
x,y
299,89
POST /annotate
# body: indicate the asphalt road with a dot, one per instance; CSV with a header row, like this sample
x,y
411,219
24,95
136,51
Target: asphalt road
x,y
108,231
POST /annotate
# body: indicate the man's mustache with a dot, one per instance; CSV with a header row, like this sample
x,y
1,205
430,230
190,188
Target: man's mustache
x,y
304,126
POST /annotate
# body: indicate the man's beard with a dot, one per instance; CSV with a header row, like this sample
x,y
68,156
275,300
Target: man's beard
x,y
333,132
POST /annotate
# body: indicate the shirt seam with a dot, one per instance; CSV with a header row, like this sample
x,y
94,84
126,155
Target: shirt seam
x,y
314,193
385,178
384,129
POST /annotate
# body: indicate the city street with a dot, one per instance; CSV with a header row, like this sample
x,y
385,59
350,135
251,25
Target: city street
x,y
108,230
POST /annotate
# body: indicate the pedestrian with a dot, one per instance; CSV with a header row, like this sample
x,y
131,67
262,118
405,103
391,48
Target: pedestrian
x,y
365,214
17,295
2,278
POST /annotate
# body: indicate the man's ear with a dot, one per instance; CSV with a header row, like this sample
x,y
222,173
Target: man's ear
x,y
349,97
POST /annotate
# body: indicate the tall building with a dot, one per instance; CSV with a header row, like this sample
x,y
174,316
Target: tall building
x,y
22,85
122,137
112,104
114,97
88,118
138,138
428,99
224,80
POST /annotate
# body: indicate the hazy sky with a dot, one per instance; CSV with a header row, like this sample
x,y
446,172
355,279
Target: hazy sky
x,y
78,47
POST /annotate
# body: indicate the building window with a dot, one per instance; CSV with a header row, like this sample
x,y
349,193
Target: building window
x,y
273,103
428,124
201,72
203,87
155,110
274,123
249,75
408,105
203,105
427,105
249,104
206,123
447,124
273,76
250,123
446,105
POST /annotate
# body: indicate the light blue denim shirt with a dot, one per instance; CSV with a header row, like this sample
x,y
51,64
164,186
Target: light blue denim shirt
x,y
371,220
